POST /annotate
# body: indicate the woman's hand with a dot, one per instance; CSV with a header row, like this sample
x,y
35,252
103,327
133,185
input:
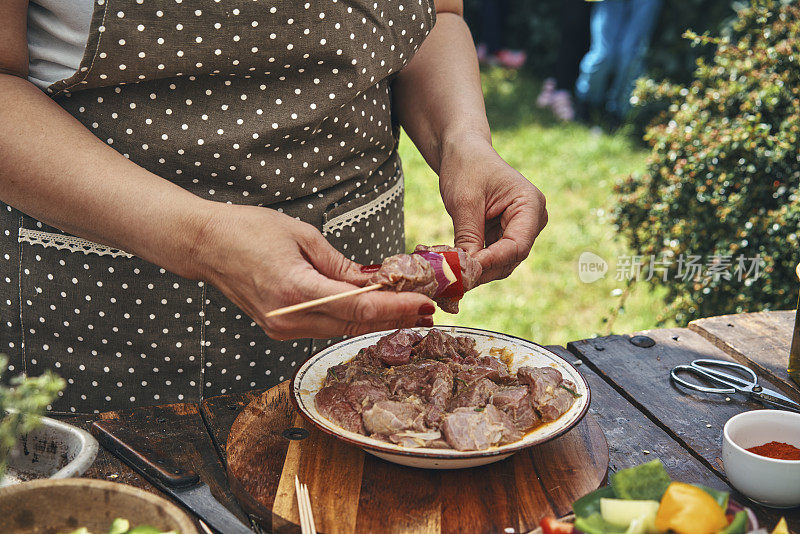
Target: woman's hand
x,y
437,98
262,260
491,204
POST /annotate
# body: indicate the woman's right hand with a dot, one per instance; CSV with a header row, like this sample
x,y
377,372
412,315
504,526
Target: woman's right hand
x,y
262,260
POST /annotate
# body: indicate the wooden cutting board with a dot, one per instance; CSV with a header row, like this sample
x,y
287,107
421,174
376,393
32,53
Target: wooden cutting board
x,y
352,491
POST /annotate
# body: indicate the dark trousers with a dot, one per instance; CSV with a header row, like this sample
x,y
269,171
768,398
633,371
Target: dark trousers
x,y
574,43
494,14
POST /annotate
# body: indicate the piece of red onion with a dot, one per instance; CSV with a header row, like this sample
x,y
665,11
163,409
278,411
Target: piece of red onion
x,y
752,521
436,260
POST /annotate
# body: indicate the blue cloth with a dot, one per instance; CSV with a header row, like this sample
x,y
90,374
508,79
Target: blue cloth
x,y
621,31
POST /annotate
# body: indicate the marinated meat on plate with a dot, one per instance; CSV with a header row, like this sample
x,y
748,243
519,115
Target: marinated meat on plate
x,y
437,391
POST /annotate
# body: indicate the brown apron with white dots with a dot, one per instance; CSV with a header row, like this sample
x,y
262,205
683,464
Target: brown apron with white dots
x,y
270,103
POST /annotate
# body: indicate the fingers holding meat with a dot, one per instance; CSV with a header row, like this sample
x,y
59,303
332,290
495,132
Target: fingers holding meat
x,y
442,272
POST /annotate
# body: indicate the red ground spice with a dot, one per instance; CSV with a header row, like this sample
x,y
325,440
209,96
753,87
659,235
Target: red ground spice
x,y
777,450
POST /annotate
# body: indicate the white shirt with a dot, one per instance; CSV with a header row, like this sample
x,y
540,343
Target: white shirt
x,y
57,35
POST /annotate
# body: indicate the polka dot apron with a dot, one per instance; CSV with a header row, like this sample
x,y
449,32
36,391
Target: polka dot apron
x,y
261,102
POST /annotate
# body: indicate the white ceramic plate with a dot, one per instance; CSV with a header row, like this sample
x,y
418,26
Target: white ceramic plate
x,y
310,377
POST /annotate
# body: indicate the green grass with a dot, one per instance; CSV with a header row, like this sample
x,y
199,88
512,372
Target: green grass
x,y
575,167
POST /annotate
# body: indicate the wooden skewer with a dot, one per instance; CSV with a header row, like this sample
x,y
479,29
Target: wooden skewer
x,y
309,512
323,300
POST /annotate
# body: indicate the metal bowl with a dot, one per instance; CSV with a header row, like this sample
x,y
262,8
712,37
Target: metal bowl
x,y
54,449
309,379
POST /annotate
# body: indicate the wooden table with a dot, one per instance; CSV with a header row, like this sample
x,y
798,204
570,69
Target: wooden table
x,y
642,414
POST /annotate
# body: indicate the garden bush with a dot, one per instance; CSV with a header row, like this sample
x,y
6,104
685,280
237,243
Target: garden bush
x,y
533,25
722,179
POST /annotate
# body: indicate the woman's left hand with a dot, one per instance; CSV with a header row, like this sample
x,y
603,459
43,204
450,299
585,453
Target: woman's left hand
x,y
492,206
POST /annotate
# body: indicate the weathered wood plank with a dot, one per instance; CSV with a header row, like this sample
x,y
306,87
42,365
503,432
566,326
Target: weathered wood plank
x,y
693,419
176,430
633,438
761,340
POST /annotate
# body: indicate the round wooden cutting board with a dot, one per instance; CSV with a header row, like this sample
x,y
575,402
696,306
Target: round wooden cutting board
x,y
352,491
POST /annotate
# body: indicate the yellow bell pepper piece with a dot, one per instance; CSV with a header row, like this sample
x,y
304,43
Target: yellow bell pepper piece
x,y
781,527
686,509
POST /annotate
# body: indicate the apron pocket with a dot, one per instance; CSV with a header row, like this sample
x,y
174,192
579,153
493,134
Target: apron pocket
x,y
120,330
369,227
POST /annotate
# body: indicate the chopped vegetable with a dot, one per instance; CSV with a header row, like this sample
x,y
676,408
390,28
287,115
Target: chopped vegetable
x,y
590,503
145,529
721,497
551,525
646,482
119,526
687,509
623,513
621,508
455,289
738,525
781,527
443,274
595,524
123,526
640,526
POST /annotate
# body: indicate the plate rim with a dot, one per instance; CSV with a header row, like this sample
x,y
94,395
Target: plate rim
x,y
423,453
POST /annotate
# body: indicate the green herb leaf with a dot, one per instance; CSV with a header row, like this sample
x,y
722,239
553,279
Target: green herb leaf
x,y
571,391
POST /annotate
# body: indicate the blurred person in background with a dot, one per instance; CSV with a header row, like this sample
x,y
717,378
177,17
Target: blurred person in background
x,y
620,36
492,32
574,31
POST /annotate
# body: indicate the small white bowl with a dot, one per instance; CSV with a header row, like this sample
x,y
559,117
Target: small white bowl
x,y
771,482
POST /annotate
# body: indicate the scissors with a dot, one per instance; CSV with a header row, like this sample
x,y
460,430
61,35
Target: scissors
x,y
706,369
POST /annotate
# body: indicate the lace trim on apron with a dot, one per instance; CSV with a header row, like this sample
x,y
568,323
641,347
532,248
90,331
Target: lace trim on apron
x,y
78,244
362,212
69,242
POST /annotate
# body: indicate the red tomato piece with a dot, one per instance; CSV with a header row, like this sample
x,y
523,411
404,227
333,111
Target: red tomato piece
x,y
551,525
456,289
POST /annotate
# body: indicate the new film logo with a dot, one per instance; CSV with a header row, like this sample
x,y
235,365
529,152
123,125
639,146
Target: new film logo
x,y
591,267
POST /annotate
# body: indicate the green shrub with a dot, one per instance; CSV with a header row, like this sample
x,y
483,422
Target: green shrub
x,y
533,25
724,171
